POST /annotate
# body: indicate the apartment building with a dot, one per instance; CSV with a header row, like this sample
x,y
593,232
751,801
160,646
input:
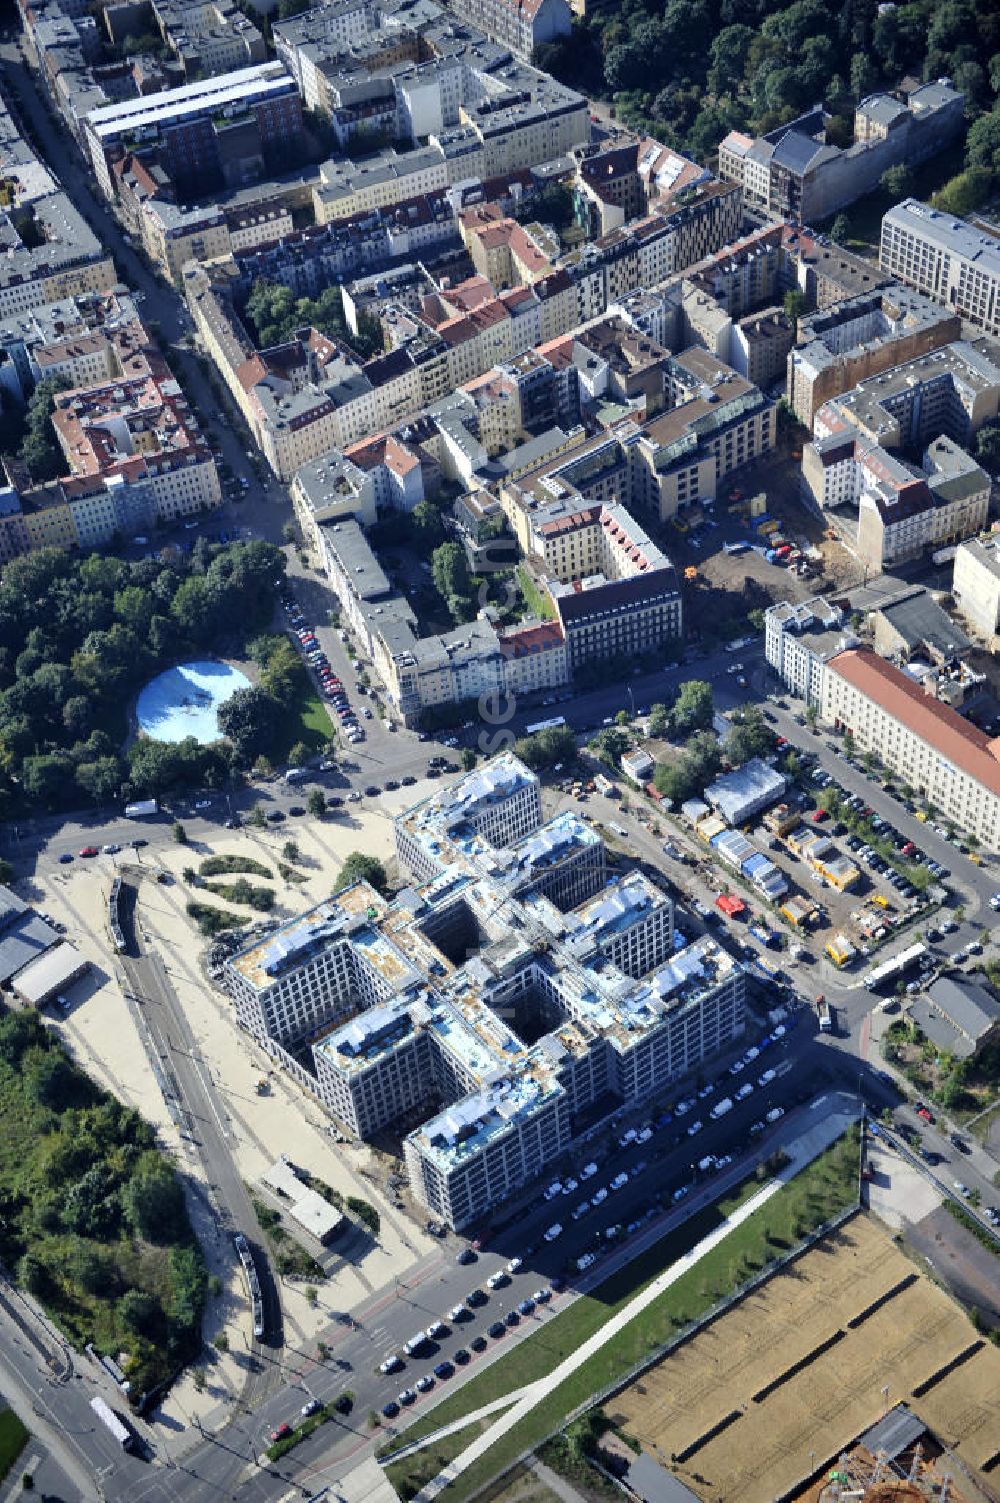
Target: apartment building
x,y
680,230
799,640
922,740
716,422
976,585
508,994
954,262
63,258
848,342
208,36
135,456
521,25
187,125
792,172
900,515
892,508
823,272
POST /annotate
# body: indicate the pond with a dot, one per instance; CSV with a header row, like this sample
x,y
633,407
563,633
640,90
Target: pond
x,y
185,700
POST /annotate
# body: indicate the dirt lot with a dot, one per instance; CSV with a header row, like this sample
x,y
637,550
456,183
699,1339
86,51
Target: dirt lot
x,y
772,1439
727,582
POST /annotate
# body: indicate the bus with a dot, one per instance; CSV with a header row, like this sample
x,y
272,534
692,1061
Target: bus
x,y
545,725
111,1422
891,970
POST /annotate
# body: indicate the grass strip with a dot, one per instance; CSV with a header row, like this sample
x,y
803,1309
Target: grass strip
x,y
826,1186
13,1438
972,1225
221,866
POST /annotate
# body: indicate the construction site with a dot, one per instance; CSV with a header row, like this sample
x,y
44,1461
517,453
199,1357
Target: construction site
x,y
774,1398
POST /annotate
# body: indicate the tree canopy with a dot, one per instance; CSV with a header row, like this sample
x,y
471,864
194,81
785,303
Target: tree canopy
x,y
361,868
79,636
689,71
276,314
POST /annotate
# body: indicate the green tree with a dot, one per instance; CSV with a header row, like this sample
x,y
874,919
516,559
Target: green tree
x,y
988,446
840,230
361,868
316,803
468,758
794,305
450,572
659,720
153,1200
140,1313
897,181
299,755
693,708
251,719
965,192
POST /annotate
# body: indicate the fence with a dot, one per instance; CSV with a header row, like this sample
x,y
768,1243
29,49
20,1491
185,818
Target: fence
x,y
667,1348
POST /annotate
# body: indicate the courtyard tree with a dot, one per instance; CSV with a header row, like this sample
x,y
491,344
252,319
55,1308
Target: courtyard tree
x,y
361,868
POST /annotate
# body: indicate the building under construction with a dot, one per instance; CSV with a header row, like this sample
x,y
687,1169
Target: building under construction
x,y
897,1461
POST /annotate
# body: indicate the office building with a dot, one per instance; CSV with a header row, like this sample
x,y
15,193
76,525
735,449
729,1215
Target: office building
x,y
190,126
925,742
953,262
506,996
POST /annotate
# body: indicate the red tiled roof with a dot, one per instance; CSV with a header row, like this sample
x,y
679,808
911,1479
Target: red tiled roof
x,y
940,726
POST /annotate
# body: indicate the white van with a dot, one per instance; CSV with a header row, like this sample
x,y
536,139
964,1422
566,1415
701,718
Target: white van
x,y
553,1232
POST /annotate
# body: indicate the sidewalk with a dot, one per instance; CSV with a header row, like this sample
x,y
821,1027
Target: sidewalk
x,y
816,1137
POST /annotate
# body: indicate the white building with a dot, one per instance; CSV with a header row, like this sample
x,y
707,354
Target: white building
x,y
799,640
976,583
505,994
951,261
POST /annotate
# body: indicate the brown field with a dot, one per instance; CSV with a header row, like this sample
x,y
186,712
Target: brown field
x,y
774,1441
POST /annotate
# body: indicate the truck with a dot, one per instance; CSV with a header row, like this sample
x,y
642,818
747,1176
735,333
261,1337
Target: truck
x,y
762,932
142,808
721,1107
825,1015
112,1423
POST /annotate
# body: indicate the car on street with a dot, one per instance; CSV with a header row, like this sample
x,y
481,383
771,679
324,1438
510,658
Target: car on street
x,y
462,1356
466,1256
65,858
391,1364
963,1190
424,1383
87,850
282,1432
496,1329
478,1343
391,1409
312,1406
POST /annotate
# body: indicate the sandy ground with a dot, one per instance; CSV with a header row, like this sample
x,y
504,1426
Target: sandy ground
x,y
897,1192
103,1035
775,1440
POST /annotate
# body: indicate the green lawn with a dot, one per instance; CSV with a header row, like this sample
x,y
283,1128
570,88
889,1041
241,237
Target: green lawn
x,y
13,1439
823,1188
307,722
538,604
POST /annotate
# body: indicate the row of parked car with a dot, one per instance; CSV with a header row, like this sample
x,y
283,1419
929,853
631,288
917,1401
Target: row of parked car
x,y
332,687
423,1342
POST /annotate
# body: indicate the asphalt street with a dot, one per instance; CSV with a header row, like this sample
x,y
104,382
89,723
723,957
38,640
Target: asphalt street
x,y
280,1379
